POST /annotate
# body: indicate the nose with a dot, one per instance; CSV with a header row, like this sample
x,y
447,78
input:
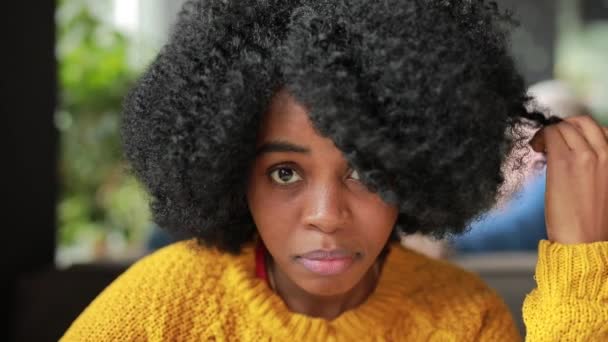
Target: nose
x,y
326,208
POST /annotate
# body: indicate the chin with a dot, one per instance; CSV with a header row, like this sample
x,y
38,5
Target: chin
x,y
327,286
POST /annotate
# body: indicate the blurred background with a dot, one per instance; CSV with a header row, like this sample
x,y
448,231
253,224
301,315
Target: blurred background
x,y
102,46
76,218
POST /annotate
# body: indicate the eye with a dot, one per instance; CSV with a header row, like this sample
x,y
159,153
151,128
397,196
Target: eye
x,y
285,175
354,174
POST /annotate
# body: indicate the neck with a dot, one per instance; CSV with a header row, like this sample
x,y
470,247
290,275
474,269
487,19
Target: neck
x,y
327,307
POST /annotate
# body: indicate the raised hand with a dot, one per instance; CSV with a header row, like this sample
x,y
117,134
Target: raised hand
x,y
576,199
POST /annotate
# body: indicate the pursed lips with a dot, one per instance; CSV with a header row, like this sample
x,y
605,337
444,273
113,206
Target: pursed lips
x,y
327,262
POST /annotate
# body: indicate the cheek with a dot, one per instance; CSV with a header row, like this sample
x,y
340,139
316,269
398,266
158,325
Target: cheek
x,y
272,212
376,219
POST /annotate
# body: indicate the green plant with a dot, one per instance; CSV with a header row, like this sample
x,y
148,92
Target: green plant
x,y
98,197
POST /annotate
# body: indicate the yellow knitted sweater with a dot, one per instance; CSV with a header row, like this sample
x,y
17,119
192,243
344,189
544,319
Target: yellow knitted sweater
x,y
185,292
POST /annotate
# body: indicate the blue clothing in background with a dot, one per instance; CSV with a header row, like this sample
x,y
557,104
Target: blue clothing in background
x,y
517,227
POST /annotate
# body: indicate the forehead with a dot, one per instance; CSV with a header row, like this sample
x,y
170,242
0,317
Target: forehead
x,y
286,119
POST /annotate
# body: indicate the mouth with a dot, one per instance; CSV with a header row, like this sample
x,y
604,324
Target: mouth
x,y
327,262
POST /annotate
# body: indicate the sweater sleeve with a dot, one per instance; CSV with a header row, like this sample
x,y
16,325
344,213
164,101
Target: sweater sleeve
x,y
570,302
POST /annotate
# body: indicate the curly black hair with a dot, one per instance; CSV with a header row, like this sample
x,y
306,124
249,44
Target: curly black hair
x,y
422,97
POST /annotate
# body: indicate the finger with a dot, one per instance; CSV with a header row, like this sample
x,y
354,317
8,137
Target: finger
x,y
593,133
538,141
555,143
546,136
573,137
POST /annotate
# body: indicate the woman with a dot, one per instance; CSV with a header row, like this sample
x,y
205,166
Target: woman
x,y
296,139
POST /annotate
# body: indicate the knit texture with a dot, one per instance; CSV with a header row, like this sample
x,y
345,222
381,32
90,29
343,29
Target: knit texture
x,y
186,292
570,302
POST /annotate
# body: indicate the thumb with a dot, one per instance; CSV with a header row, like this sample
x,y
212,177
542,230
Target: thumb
x,y
538,141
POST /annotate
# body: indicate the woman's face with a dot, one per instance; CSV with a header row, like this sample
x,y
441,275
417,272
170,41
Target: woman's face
x,y
321,225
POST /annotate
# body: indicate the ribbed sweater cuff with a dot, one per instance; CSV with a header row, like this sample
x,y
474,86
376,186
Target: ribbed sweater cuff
x,y
579,271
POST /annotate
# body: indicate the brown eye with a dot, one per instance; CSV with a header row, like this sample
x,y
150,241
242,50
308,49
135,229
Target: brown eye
x,y
285,175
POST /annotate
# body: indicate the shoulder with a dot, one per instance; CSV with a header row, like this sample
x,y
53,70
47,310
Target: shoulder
x,y
155,293
178,259
433,272
179,270
448,293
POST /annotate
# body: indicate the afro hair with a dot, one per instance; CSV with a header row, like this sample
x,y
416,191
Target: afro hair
x,y
422,97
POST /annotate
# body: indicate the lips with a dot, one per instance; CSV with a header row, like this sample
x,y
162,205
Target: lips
x,y
327,262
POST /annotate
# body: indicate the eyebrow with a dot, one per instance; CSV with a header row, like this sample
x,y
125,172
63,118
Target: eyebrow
x,y
280,146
